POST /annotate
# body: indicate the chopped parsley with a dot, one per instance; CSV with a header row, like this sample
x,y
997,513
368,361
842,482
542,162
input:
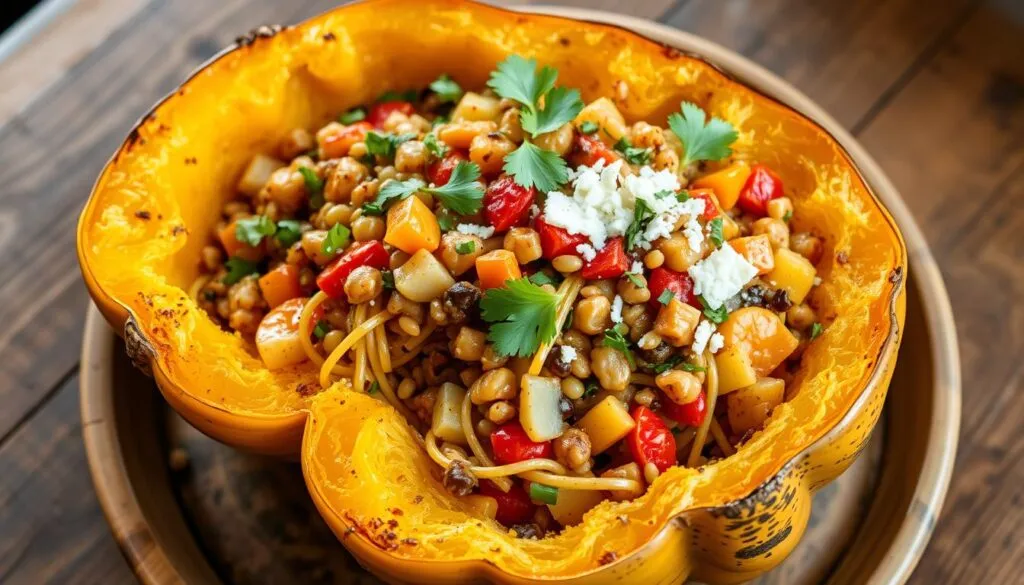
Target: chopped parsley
x,y
314,187
589,127
433,146
541,278
634,155
374,388
543,494
590,388
388,279
352,116
385,145
666,297
642,215
788,216
614,339
252,230
336,240
462,194
446,221
702,139
672,362
409,95
239,268
715,231
288,232
467,247
816,330
322,329
716,316
522,317
447,90
636,280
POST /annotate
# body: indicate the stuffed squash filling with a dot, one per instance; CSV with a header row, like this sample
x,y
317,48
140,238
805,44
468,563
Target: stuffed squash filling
x,y
564,304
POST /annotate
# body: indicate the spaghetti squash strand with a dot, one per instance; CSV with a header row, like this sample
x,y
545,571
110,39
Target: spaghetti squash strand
x,y
503,483
720,439
412,346
373,351
360,329
712,397
567,295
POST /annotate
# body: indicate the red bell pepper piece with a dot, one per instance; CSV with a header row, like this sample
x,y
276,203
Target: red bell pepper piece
x,y
762,186
338,144
507,203
587,150
610,262
332,279
555,241
679,283
439,172
511,444
691,415
514,506
379,113
710,208
651,441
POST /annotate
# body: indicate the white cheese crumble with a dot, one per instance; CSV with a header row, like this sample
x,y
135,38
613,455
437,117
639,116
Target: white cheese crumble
x,y
534,211
566,354
716,343
666,218
484,231
721,275
637,267
817,281
596,208
701,336
617,309
586,251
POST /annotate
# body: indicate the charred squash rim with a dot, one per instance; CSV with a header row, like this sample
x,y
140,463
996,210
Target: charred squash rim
x,y
143,352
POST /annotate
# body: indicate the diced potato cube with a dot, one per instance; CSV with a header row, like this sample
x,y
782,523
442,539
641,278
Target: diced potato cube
x,y
750,407
608,118
792,273
606,424
757,250
277,338
474,107
422,278
538,408
734,369
257,173
761,335
573,504
447,423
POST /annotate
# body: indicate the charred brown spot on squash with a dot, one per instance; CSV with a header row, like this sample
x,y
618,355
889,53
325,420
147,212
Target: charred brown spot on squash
x,y
262,32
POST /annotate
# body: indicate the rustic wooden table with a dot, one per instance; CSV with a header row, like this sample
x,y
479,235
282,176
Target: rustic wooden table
x,y
933,88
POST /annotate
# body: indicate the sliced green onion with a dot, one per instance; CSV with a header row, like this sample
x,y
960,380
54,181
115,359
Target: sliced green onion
x,y
544,494
322,329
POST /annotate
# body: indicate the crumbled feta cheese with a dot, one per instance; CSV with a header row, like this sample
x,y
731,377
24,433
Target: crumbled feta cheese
x,y
721,275
637,267
617,309
701,336
596,208
694,235
587,251
663,224
566,354
484,231
534,211
716,343
817,280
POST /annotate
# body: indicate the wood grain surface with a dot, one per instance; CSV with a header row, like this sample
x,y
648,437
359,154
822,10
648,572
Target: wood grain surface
x,y
933,88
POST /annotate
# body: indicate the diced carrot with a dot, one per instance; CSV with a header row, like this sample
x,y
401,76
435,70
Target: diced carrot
x,y
497,266
726,183
235,247
757,250
280,284
412,226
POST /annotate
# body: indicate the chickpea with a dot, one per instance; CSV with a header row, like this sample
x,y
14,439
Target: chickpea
x,y
212,258
456,262
627,471
559,141
470,375
654,259
592,315
567,264
806,245
399,305
409,326
469,344
572,448
484,428
332,215
679,386
641,325
510,125
488,151
490,359
313,246
605,288
631,293
679,256
644,135
776,230
572,388
649,340
397,258
410,157
345,176
497,384
368,227
406,388
779,208
363,285
287,189
333,338
645,397
245,321
501,412
666,159
581,367
801,316
296,142
676,323
611,368
365,191
632,313
524,243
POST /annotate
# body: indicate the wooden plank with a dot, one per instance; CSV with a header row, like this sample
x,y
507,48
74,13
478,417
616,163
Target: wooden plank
x,y
53,529
844,55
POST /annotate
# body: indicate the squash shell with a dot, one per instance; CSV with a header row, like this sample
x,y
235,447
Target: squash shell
x,y
365,466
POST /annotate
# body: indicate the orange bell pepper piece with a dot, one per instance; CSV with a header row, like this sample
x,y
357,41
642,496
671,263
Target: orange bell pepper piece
x,y
280,284
235,247
757,250
726,183
495,267
412,226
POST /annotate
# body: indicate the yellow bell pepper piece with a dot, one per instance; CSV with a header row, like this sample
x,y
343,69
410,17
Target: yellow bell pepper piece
x,y
495,267
726,183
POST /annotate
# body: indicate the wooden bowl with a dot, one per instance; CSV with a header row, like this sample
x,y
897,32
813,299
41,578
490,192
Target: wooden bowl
x,y
186,509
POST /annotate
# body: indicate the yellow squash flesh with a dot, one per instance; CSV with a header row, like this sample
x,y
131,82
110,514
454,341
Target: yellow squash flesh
x,y
364,465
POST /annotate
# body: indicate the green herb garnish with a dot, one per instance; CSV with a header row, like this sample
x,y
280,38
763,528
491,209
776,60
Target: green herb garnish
x,y
589,127
614,339
522,317
252,230
322,329
409,95
288,232
314,187
634,155
352,116
642,215
716,316
666,297
374,388
467,247
385,145
702,139
447,90
434,146
239,268
461,194
816,330
336,240
636,280
388,279
543,494
715,232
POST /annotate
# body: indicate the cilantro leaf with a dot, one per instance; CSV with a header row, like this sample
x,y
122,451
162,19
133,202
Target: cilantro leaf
x,y
392,192
314,187
518,79
388,279
385,145
239,268
374,388
710,141
715,232
352,116
337,238
816,330
666,297
322,329
642,215
409,95
522,317
541,278
589,127
467,247
532,166
634,155
434,146
672,362
252,230
446,221
683,196
561,105
437,121
288,232
615,340
591,388
447,90
716,316
788,216
636,280
462,193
